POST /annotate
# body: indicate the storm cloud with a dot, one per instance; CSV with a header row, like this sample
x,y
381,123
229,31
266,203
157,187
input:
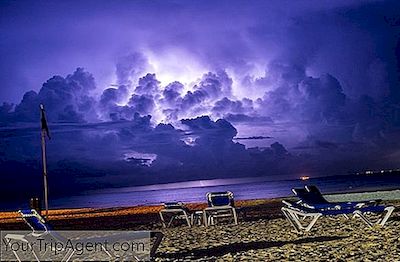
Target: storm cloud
x,y
68,100
149,92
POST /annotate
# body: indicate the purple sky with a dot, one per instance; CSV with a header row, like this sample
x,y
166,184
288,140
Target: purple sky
x,y
44,38
316,81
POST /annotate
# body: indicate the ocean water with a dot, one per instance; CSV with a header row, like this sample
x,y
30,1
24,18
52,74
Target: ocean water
x,y
194,191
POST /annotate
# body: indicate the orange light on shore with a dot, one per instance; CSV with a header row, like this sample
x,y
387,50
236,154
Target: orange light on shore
x,y
304,178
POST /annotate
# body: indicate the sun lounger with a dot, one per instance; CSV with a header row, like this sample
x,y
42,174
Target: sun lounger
x,y
316,194
174,211
313,205
316,200
41,229
220,204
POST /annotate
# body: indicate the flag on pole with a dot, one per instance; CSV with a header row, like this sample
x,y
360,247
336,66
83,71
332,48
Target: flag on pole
x,y
45,127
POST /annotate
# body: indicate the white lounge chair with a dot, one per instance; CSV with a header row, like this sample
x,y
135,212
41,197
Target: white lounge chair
x,y
42,230
313,205
220,205
174,211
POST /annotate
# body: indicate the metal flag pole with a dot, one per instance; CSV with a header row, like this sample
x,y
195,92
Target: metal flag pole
x,y
44,133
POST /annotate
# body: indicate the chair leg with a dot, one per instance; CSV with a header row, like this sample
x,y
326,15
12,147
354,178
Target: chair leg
x,y
16,255
192,219
175,215
308,228
162,219
381,222
294,219
171,220
235,216
14,252
159,236
106,251
290,220
66,255
69,255
363,218
187,219
389,211
34,253
205,218
209,219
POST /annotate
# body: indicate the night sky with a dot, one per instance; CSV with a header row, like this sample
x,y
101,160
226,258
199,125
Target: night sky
x,y
145,92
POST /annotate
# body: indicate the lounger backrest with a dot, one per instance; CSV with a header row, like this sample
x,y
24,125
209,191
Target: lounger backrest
x,y
316,194
39,226
299,192
220,199
307,197
173,205
35,221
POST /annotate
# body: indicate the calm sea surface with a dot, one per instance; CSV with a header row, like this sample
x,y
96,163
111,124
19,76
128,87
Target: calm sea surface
x,y
195,191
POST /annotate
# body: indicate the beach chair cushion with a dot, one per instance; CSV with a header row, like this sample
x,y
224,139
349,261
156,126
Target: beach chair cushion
x,y
333,212
216,199
173,205
34,220
316,195
311,198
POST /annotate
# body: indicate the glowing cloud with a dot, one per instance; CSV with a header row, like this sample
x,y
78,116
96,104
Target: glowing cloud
x,y
175,65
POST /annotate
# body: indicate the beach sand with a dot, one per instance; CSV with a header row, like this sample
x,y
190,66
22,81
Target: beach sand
x,y
261,235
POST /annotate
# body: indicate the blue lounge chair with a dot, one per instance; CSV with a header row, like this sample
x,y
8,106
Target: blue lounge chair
x,y
220,204
175,211
315,199
315,195
35,221
314,205
41,229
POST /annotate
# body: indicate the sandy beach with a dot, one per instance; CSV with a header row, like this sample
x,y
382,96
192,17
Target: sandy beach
x,y
261,235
